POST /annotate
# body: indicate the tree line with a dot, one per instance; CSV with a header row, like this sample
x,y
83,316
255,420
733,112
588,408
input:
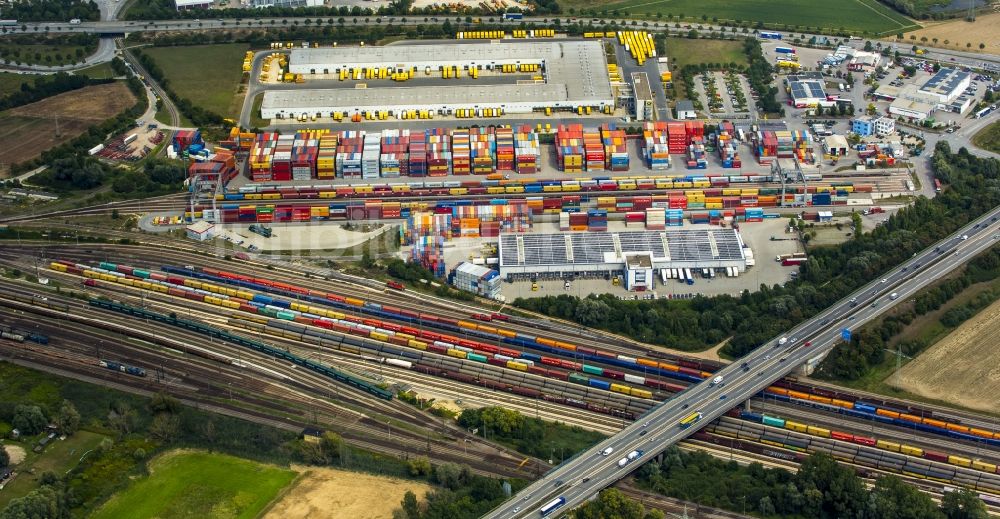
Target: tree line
x,y
821,489
528,435
46,86
50,10
831,273
867,348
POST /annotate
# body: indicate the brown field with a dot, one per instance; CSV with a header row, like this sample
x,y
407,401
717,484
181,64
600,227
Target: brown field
x,y
962,368
28,130
321,493
986,29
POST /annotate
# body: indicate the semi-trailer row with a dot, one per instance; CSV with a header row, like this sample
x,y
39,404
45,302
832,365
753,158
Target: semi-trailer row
x,y
855,408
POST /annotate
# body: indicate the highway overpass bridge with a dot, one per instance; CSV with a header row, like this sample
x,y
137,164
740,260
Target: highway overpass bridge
x,y
582,477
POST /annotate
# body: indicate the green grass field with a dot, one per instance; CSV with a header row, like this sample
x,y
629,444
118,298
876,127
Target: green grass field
x,y
683,52
207,75
12,82
198,484
988,138
851,15
60,456
99,71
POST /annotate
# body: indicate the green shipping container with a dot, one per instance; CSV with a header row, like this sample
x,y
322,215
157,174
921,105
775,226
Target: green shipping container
x,y
140,273
578,378
476,357
593,370
267,311
776,422
288,316
108,266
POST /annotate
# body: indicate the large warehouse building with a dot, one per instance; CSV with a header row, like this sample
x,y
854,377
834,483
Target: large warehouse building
x,y
575,74
634,254
947,85
807,93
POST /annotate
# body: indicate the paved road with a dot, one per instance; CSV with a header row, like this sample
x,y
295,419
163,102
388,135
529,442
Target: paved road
x,y
582,477
109,11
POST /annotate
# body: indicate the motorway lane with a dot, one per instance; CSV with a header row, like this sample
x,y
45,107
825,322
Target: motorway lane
x,y
764,365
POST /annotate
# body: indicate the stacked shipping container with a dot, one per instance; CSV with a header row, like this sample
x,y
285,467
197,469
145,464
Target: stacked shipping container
x,y
261,153
656,149
526,151
615,149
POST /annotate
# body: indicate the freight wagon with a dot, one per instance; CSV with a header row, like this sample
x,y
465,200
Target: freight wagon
x,y
124,368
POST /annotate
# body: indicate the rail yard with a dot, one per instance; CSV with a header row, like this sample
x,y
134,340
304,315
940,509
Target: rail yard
x,y
360,240
376,339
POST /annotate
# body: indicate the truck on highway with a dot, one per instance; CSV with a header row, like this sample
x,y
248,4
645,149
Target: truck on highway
x,y
608,451
690,420
622,462
74,21
552,506
513,16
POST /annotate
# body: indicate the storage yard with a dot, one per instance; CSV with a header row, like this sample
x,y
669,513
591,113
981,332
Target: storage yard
x,y
27,131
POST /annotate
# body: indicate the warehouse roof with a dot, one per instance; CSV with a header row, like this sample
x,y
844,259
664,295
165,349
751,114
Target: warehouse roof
x,y
640,86
389,97
685,105
913,106
686,245
807,89
945,81
581,66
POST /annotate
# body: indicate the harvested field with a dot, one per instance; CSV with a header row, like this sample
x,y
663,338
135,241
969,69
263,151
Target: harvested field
x,y
28,130
322,493
959,33
15,453
963,368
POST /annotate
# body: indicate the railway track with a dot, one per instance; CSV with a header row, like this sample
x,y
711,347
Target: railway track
x,y
452,388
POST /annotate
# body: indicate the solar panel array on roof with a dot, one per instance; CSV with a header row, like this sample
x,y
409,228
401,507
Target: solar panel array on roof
x,y
682,246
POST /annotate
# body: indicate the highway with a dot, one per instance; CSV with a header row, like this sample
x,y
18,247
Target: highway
x,y
582,477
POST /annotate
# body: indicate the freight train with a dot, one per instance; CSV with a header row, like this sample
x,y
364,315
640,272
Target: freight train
x,y
311,365
860,450
19,335
869,441
512,359
124,368
267,191
581,394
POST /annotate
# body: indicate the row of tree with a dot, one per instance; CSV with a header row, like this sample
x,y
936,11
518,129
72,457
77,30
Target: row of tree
x,y
50,10
760,75
529,435
821,489
830,274
45,86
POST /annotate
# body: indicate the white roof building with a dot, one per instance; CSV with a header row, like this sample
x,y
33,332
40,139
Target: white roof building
x,y
180,5
947,84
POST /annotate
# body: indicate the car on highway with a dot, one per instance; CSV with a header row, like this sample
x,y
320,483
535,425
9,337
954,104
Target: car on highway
x,y
608,451
723,397
808,344
643,433
645,424
884,280
716,381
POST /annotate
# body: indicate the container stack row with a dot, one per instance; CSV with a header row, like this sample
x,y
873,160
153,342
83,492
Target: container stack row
x,y
461,152
656,145
726,146
482,143
526,151
305,150
370,152
417,160
504,138
220,166
597,220
696,158
615,148
593,148
439,152
676,138
326,156
281,161
261,153
569,148
349,148
395,149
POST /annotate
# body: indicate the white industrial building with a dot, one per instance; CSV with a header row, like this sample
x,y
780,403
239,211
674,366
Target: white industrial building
x,y
575,74
685,109
947,84
864,61
201,231
913,103
477,279
644,103
635,254
182,5
260,4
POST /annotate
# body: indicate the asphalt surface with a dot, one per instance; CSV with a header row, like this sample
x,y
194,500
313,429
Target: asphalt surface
x,y
109,25
585,475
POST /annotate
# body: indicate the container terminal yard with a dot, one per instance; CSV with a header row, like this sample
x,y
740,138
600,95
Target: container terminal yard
x,y
369,337
468,141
